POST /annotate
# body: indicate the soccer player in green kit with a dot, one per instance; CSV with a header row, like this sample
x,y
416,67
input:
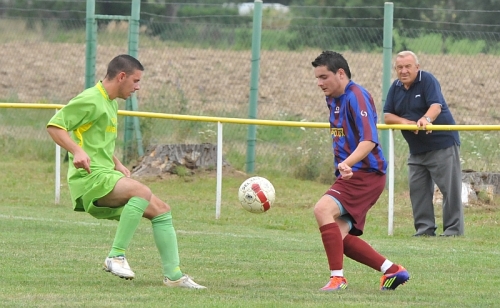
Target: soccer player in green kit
x,y
100,184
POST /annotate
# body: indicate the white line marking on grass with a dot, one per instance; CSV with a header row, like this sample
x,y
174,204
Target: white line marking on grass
x,y
11,217
273,236
49,220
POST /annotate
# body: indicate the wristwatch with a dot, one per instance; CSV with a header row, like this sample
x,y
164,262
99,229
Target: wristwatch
x,y
427,118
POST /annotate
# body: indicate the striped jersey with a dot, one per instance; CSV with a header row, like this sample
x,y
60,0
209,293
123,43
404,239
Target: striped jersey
x,y
353,118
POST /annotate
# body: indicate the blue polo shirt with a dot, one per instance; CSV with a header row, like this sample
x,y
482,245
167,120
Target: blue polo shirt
x,y
413,103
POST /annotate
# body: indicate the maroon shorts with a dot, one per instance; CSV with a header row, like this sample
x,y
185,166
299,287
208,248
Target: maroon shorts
x,y
357,195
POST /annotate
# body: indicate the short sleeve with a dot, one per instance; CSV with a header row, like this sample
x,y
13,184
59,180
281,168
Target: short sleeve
x,y
364,115
432,91
389,100
78,112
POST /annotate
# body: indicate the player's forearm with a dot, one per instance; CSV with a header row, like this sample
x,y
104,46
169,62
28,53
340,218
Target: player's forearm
x,y
62,138
116,161
362,150
433,112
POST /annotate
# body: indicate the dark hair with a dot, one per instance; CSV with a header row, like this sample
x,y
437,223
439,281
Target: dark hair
x,y
123,63
333,61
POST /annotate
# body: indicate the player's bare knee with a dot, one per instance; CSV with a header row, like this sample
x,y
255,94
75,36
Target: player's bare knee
x,y
324,208
320,210
142,191
156,207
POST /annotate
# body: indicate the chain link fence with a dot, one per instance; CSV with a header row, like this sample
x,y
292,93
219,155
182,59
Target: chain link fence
x,y
201,66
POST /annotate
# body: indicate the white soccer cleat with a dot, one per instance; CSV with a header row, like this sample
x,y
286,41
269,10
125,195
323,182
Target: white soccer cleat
x,y
118,266
184,282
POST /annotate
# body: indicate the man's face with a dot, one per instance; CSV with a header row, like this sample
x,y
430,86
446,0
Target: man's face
x,y
330,83
129,84
406,69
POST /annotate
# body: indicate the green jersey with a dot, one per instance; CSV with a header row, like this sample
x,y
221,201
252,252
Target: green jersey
x,y
91,120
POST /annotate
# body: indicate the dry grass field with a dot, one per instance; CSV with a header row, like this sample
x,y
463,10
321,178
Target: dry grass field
x,y
207,81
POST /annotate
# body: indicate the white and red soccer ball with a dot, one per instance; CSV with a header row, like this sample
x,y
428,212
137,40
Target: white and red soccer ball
x,y
256,194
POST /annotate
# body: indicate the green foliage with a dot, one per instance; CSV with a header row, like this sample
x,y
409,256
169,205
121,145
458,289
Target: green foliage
x,y
209,135
308,167
343,26
312,159
430,43
474,153
210,14
147,133
197,25
278,40
484,197
23,135
41,12
323,27
174,32
243,39
203,35
181,171
441,43
281,134
13,148
465,46
235,158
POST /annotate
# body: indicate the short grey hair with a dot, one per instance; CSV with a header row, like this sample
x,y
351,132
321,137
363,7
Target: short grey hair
x,y
406,53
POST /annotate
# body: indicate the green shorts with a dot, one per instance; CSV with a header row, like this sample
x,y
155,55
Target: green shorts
x,y
97,185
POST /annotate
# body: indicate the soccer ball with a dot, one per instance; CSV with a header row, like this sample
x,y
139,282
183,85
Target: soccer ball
x,y
256,194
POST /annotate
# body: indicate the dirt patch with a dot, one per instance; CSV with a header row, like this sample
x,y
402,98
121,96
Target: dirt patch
x,y
227,172
212,82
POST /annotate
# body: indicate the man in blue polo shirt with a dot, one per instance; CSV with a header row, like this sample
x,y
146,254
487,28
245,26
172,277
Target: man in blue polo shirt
x,y
416,98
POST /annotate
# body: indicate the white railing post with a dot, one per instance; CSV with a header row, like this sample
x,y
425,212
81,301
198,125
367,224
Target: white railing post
x,y
218,197
391,182
58,174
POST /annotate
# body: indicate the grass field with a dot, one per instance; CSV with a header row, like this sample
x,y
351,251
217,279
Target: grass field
x,y
51,256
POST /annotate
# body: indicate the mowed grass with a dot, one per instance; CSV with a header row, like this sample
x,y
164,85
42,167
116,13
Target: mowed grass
x,y
51,256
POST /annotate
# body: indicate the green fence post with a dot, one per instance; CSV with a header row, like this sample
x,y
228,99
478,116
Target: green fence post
x,y
387,68
254,84
132,123
90,44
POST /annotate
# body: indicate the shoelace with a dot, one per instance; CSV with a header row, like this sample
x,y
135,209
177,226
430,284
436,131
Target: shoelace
x,y
337,281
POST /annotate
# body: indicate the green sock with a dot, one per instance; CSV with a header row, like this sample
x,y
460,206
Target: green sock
x,y
129,221
166,242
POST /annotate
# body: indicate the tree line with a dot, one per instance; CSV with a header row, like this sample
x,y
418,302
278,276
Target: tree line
x,y
462,15
352,24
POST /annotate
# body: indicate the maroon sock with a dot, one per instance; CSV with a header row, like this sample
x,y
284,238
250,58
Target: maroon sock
x,y
360,251
334,247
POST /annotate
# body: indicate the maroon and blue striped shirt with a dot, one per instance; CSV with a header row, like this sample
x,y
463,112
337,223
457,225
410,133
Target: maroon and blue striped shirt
x,y
353,118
